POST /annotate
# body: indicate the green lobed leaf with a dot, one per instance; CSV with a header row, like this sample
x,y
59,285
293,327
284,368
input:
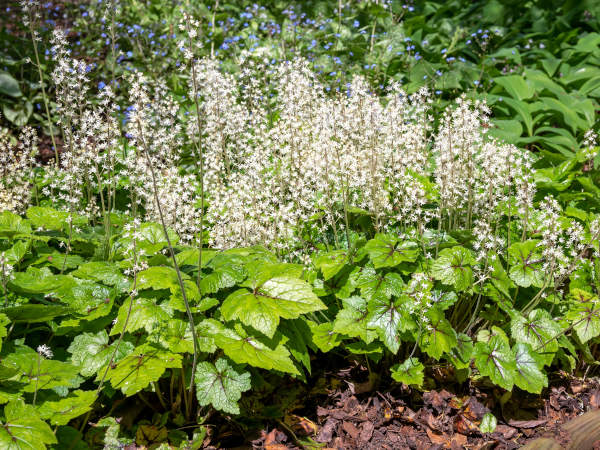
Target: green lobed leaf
x,y
271,299
251,349
538,330
103,272
144,365
526,264
11,224
23,429
331,263
61,412
352,319
91,352
386,250
438,336
529,374
453,267
410,372
585,319
374,284
145,313
387,318
324,337
221,385
495,360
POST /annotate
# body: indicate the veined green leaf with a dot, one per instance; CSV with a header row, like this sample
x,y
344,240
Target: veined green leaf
x,y
23,429
146,364
386,250
60,412
251,349
453,267
495,360
281,296
91,352
221,385
410,372
529,375
526,264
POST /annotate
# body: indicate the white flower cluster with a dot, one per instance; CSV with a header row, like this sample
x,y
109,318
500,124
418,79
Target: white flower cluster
x,y
590,142
6,269
273,166
17,163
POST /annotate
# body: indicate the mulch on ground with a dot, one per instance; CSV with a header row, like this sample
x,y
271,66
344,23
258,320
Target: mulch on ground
x,y
354,416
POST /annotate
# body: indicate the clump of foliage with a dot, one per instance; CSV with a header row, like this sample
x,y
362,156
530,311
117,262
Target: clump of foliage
x,y
201,229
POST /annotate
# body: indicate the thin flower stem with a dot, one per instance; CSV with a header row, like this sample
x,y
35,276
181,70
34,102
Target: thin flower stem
x,y
175,264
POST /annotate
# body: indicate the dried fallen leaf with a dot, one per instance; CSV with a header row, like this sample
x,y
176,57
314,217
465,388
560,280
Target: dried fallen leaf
x,y
351,429
301,425
527,423
437,438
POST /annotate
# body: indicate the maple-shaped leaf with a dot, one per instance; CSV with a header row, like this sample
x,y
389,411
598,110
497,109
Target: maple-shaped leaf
x,y
22,428
410,372
386,250
221,385
273,295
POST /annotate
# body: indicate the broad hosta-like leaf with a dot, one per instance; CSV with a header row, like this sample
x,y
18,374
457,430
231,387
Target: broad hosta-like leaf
x,y
438,336
453,267
91,351
516,86
537,330
386,250
33,313
495,360
61,411
331,263
269,300
585,319
244,348
352,320
9,86
23,429
529,374
410,372
221,385
373,284
39,281
145,365
525,264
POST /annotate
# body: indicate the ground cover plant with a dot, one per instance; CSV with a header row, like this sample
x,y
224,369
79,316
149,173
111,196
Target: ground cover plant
x,y
202,202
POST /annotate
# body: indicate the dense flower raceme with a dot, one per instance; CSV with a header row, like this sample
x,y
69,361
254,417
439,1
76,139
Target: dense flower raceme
x,y
17,162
